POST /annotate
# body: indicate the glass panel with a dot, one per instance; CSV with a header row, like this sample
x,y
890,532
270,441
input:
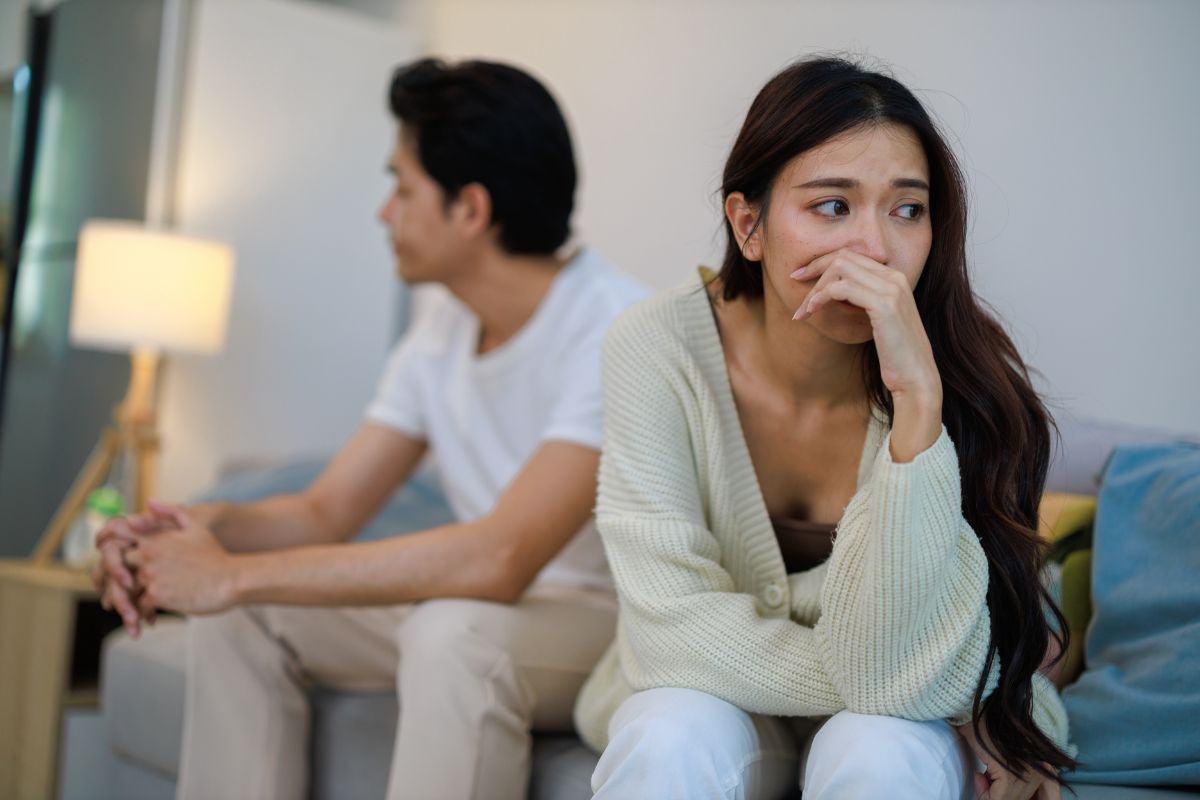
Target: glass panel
x,y
92,161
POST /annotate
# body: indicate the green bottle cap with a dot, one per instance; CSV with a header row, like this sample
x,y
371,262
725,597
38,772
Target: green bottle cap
x,y
106,501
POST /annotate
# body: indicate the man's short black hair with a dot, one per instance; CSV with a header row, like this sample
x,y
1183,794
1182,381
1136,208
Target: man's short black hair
x,y
492,124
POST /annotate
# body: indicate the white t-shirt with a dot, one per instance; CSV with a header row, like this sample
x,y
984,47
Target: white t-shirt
x,y
485,415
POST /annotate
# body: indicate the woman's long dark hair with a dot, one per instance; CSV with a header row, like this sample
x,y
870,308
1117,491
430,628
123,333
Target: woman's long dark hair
x,y
1000,427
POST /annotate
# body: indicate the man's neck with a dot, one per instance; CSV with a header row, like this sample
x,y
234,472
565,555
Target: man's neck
x,y
504,292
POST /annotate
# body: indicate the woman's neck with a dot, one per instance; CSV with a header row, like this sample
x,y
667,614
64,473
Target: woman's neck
x,y
761,338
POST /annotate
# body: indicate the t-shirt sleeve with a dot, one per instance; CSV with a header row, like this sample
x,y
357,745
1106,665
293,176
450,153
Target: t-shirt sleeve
x,y
577,414
397,403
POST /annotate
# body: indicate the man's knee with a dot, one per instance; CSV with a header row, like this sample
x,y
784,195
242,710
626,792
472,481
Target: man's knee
x,y
855,753
237,638
449,631
237,626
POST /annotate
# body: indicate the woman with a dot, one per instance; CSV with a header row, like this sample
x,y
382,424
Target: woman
x,y
838,372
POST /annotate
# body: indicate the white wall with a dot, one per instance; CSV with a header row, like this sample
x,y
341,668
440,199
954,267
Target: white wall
x,y
1077,121
12,28
285,134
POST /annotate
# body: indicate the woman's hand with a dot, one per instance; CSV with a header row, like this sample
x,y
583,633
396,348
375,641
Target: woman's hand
x,y
995,783
906,361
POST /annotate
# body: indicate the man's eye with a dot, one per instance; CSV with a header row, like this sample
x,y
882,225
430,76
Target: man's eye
x,y
910,211
832,208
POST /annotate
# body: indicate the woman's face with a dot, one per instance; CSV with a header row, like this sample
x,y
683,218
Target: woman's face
x,y
866,191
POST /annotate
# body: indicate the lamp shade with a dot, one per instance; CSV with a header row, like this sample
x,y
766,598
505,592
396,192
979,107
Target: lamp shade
x,y
141,288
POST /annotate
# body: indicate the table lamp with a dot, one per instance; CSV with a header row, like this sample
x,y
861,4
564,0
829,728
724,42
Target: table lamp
x,y
141,291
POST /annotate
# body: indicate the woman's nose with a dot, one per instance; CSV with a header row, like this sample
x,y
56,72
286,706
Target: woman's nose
x,y
868,239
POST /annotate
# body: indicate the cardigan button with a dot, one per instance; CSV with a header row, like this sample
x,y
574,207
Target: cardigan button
x,y
773,595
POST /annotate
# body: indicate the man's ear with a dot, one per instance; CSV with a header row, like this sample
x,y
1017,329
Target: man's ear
x,y
743,218
472,209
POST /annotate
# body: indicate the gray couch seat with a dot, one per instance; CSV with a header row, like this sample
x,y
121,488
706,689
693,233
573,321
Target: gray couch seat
x,y
142,682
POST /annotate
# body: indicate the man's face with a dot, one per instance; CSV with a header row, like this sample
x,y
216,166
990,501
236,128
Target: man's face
x,y
419,222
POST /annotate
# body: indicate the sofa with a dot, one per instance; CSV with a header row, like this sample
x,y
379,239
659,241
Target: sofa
x,y
142,682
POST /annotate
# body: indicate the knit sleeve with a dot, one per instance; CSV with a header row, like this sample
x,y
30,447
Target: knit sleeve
x,y
684,623
904,626
1049,713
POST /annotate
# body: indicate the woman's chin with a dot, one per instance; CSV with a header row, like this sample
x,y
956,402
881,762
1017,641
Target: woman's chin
x,y
842,326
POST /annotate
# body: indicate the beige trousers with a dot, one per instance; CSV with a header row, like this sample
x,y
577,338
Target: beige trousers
x,y
472,677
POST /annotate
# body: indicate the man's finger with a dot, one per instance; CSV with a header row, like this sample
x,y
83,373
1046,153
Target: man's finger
x,y
176,514
149,523
146,607
119,599
163,516
119,529
114,564
140,522
99,577
134,556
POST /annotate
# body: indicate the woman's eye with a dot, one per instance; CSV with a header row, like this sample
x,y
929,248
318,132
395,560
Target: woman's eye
x,y
832,208
910,211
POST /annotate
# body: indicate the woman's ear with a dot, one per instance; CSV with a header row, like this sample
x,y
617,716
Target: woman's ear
x,y
472,209
743,219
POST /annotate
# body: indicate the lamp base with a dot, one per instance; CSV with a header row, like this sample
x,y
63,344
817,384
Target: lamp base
x,y
142,443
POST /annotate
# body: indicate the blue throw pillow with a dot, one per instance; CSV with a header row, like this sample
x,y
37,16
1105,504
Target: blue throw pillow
x,y
1135,711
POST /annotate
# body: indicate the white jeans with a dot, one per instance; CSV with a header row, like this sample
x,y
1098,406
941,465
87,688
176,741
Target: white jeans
x,y
681,743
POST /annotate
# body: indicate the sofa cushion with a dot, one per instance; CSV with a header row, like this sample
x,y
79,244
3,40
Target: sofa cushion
x,y
1134,709
141,694
1100,792
1083,446
142,697
352,733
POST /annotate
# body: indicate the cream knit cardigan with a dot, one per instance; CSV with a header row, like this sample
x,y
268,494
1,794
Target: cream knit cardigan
x,y
895,622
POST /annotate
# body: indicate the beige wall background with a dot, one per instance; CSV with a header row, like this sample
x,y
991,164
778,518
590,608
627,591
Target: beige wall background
x,y
1077,123
283,139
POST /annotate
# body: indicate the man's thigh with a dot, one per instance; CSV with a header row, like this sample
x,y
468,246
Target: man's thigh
x,y
349,648
553,635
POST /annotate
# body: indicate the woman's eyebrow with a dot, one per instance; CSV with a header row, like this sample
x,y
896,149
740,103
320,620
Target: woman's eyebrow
x,y
828,183
850,183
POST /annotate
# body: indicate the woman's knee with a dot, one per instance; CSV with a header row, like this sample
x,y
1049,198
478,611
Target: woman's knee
x,y
682,721
864,754
669,742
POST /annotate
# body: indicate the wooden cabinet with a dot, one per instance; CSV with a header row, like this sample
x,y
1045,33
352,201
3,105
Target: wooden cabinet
x,y
51,628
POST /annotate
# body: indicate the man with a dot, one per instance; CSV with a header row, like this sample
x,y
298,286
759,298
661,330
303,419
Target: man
x,y
487,626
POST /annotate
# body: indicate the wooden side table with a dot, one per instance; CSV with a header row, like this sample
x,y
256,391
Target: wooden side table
x,y
51,627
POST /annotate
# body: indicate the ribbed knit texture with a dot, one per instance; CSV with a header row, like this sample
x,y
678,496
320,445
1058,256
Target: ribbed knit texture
x,y
895,622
